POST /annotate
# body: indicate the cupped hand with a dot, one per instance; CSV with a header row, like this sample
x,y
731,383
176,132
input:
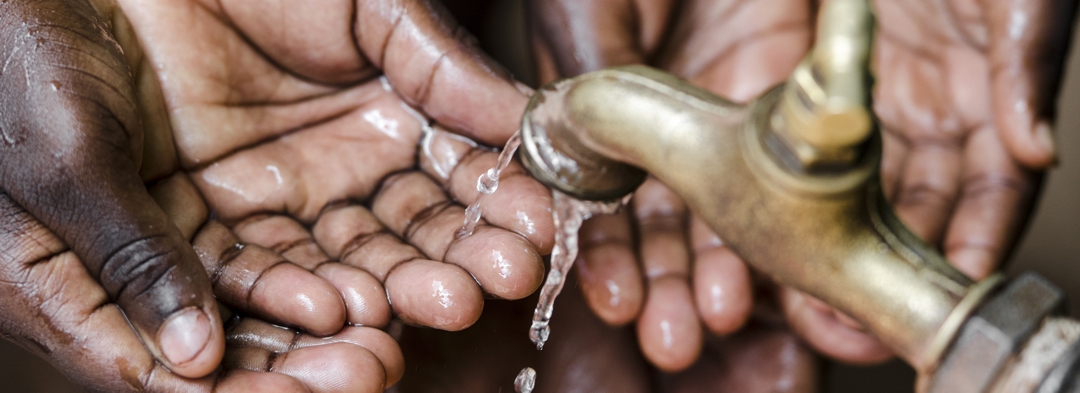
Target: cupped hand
x,y
70,143
965,92
56,309
586,355
321,130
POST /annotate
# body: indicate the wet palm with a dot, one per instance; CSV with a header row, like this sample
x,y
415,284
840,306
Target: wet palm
x,y
288,126
961,93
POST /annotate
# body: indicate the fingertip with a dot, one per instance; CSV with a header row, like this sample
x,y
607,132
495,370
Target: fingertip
x,y
350,368
192,341
1032,144
291,295
722,290
434,294
976,263
611,281
252,381
829,335
377,341
503,263
365,298
669,333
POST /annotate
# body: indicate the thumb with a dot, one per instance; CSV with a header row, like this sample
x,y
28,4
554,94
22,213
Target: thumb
x,y
578,36
70,137
1028,41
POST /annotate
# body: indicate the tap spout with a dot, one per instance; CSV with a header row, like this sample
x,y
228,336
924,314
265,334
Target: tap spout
x,y
790,182
831,235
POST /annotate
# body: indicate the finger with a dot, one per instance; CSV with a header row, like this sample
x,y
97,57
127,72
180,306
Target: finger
x,y
74,169
248,277
668,330
378,342
504,263
437,66
1026,64
250,381
420,291
336,367
260,282
722,289
586,36
996,198
929,188
816,323
738,49
520,204
74,326
254,343
759,360
365,298
608,271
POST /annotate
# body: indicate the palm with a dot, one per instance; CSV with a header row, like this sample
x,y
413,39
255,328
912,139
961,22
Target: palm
x,y
945,168
282,121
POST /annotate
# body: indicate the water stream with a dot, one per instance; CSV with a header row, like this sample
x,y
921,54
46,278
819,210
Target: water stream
x,y
569,214
525,381
487,184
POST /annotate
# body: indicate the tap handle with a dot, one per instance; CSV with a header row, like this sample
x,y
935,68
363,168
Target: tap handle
x,y
828,96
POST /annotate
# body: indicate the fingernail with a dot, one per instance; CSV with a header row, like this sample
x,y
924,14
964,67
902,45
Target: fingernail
x,y
1044,137
524,89
184,335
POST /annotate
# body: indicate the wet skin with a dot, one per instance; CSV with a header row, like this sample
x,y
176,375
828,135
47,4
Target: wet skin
x,y
586,355
289,177
965,95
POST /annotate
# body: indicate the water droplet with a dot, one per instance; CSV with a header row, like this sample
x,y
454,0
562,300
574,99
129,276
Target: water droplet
x,y
569,214
487,184
55,85
525,381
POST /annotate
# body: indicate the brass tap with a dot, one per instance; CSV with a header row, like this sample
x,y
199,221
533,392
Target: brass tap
x,y
790,182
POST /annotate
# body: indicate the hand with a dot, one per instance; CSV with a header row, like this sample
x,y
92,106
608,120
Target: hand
x,y
736,49
71,141
77,71
299,123
959,176
54,308
585,355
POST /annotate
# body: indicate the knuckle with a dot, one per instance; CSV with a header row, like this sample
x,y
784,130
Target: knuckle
x,y
137,267
925,194
985,185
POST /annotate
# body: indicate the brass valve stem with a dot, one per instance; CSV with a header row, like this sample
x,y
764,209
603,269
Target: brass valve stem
x,y
823,118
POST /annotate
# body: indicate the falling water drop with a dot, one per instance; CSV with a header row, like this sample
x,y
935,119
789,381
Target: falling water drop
x,y
525,381
487,184
569,213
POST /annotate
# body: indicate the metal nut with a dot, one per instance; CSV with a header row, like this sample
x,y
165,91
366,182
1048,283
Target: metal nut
x,y
996,331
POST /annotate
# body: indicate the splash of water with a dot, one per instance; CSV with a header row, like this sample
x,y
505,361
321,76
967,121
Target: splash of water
x,y
525,381
487,184
569,214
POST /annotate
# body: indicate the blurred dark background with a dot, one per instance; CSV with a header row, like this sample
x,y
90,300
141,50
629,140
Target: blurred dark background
x,y
1050,246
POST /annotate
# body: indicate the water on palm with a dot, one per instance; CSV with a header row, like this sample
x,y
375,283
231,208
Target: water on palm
x,y
569,213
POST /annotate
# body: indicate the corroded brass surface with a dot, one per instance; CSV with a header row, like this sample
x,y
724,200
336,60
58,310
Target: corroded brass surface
x,y
790,182
831,235
824,118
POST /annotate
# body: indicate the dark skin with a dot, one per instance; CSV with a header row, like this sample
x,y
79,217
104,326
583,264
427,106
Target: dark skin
x,y
137,96
965,94
586,355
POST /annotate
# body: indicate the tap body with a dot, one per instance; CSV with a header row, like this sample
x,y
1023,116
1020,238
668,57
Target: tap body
x,y
790,183
830,234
